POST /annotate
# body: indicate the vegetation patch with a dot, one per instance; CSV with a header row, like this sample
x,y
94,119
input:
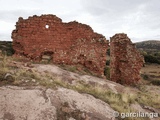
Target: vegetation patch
x,y
150,50
155,82
120,102
107,72
6,47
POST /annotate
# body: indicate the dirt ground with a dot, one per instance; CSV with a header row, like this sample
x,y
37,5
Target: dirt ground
x,y
151,71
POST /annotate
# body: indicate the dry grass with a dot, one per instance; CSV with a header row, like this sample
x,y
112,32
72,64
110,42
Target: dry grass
x,y
150,74
120,102
151,69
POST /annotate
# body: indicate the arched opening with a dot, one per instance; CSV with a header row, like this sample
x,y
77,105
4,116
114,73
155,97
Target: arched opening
x,y
46,56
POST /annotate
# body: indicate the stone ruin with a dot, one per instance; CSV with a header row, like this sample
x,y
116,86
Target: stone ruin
x,y
65,43
126,61
46,37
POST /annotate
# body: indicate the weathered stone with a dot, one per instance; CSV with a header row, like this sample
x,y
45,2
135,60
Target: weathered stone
x,y
67,43
22,103
126,61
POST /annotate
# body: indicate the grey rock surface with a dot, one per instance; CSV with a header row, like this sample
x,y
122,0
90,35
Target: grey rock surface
x,y
22,103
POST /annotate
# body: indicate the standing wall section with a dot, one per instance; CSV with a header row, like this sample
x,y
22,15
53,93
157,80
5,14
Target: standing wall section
x,y
126,61
70,43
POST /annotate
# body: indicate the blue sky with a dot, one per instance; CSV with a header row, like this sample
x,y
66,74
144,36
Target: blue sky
x,y
140,19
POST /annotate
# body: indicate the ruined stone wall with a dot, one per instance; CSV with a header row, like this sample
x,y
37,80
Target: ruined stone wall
x,y
126,61
67,43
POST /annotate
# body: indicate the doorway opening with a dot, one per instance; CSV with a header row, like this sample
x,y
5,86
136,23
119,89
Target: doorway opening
x,y
47,57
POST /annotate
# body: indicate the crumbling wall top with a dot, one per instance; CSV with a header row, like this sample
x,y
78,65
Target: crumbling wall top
x,y
119,37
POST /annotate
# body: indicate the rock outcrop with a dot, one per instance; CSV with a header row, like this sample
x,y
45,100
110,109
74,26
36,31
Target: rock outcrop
x,y
126,61
47,37
21,103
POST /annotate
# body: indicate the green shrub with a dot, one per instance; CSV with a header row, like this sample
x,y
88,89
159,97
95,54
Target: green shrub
x,y
108,62
107,72
6,47
108,52
155,82
72,68
151,59
145,77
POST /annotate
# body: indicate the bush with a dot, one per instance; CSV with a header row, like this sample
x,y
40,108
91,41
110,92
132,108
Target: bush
x,y
145,77
108,62
107,72
155,82
6,47
151,59
108,52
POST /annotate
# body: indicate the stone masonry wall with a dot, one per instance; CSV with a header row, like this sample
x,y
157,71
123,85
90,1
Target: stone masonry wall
x,y
126,61
67,43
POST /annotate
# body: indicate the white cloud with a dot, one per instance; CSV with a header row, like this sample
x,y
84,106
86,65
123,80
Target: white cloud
x,y
5,31
140,19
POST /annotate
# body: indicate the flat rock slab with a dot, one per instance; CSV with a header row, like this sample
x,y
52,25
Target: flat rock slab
x,y
73,78
21,103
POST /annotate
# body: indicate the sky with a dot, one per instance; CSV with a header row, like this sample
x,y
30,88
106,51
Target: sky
x,y
139,19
